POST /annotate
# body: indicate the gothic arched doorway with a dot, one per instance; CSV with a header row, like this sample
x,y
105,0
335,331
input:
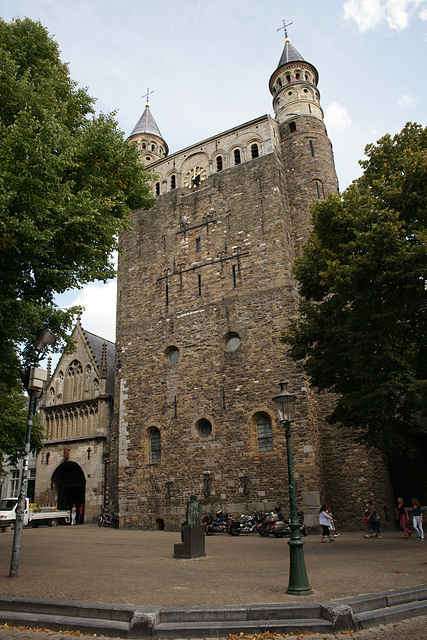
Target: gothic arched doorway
x,y
69,481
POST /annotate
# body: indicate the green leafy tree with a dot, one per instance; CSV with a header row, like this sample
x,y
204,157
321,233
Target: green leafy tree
x,y
67,184
362,324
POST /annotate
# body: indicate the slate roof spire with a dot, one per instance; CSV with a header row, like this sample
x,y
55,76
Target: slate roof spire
x,y
146,124
146,135
289,54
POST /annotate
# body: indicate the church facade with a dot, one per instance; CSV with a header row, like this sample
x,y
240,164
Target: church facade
x,y
205,289
76,410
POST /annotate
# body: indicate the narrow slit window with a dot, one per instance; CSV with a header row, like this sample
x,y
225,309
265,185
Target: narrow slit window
x,y
234,276
311,147
199,280
155,447
198,245
167,294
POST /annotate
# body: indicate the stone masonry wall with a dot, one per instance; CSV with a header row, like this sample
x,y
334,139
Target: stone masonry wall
x,y
204,302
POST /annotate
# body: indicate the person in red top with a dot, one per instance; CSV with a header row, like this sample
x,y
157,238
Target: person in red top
x,y
81,514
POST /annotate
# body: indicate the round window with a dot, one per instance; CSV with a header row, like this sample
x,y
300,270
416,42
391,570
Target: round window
x,y
172,354
232,341
204,428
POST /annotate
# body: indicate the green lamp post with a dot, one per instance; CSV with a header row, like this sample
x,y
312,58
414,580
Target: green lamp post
x,y
298,580
34,385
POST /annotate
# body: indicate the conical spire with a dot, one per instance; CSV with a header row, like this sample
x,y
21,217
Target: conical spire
x,y
146,124
146,135
290,54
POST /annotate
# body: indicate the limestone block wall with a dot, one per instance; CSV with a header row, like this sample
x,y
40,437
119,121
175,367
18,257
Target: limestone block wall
x,y
192,296
309,170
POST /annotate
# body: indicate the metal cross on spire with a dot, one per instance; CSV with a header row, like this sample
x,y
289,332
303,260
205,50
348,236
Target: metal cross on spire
x,y
285,27
147,96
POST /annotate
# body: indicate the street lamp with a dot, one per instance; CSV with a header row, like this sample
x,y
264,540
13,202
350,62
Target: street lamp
x,y
298,581
36,381
2,479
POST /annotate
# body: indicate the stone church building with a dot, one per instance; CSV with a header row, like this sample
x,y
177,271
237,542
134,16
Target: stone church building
x,y
205,288
73,466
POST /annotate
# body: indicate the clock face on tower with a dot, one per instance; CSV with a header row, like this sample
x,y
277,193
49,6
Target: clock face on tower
x,y
194,177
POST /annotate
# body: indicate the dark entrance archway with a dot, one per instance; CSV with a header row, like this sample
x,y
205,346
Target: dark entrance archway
x,y
408,471
69,481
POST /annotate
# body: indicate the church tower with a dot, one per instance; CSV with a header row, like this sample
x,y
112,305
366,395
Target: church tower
x,y
147,137
205,289
306,149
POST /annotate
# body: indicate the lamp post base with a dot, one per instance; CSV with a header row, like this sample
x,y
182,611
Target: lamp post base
x,y
298,580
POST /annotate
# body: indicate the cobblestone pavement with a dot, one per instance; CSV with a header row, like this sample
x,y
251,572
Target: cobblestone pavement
x,y
413,628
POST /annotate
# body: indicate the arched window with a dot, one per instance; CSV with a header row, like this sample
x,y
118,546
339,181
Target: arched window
x,y
173,181
155,446
157,188
219,163
292,127
264,433
288,78
254,151
237,159
74,381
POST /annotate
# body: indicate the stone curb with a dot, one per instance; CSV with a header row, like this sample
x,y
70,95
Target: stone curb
x,y
349,614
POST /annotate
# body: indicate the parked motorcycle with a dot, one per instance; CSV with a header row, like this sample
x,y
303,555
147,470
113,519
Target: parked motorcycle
x,y
302,528
107,519
248,523
274,522
218,524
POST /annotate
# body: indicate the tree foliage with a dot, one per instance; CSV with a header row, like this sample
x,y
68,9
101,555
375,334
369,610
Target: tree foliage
x,y
67,184
362,324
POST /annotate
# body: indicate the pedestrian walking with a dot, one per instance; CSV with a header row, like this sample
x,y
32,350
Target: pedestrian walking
x,y
73,513
367,521
332,527
403,517
374,530
81,514
417,519
325,520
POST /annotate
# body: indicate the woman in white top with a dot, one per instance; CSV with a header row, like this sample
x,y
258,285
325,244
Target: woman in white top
x,y
325,521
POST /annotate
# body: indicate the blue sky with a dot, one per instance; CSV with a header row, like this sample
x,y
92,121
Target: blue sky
x,y
209,63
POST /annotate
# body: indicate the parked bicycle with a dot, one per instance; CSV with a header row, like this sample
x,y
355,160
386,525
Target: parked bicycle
x,y
107,519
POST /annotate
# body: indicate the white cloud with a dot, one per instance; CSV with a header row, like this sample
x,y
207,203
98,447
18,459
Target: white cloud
x,y
367,14
406,101
337,119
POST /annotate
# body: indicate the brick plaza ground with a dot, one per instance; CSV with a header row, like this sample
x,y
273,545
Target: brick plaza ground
x,y
86,563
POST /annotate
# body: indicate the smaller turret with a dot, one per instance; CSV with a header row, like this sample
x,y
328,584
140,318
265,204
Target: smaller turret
x,y
147,137
294,87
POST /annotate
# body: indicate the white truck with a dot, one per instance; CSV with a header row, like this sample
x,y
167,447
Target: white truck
x,y
34,517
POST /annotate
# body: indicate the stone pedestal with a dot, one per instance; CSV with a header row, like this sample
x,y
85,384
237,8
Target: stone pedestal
x,y
193,542
311,501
